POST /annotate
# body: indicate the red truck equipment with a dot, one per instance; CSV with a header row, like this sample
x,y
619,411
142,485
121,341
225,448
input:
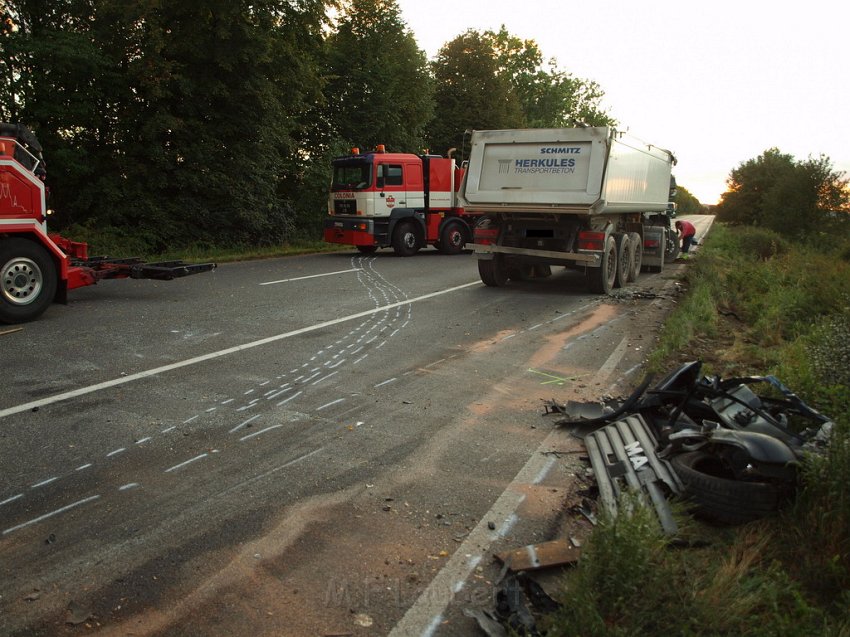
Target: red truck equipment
x,y
37,268
380,199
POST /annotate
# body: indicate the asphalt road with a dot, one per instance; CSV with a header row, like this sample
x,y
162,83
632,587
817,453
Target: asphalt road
x,y
284,447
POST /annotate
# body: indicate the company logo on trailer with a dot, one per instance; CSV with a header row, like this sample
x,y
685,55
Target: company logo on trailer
x,y
561,150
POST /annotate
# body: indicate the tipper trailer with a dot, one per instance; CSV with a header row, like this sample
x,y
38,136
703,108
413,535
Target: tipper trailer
x,y
587,198
37,268
380,199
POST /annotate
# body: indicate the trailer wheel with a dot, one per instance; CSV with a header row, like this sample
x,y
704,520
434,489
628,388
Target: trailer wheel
x,y
406,239
28,279
635,256
717,496
493,271
623,259
672,246
600,280
367,249
452,239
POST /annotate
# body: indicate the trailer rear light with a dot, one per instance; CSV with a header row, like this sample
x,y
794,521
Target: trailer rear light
x,y
591,240
486,236
651,243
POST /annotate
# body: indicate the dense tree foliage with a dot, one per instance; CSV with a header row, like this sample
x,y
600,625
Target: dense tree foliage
x,y
795,198
686,203
168,123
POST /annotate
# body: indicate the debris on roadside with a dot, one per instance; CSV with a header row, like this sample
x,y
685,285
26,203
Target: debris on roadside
x,y
559,552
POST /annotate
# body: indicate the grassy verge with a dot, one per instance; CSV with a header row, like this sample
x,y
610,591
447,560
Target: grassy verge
x,y
757,304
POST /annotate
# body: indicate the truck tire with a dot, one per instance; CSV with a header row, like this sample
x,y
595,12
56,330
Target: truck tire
x,y
407,239
452,239
492,271
28,280
600,280
672,246
717,496
635,256
623,259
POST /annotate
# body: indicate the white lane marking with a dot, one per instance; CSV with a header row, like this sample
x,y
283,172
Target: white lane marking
x,y
123,380
324,378
85,466
325,406
386,382
43,482
610,365
271,471
211,409
166,430
274,395
116,452
228,401
12,499
188,420
244,424
432,603
312,276
283,402
126,487
143,440
261,431
51,514
183,464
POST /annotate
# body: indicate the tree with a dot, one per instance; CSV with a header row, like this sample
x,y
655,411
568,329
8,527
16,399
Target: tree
x,y
471,93
686,203
379,89
794,198
550,97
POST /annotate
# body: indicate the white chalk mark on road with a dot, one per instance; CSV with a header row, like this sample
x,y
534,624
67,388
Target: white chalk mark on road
x,y
183,464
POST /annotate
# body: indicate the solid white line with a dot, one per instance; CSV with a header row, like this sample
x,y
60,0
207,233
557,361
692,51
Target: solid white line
x,y
312,276
82,391
183,464
51,514
261,431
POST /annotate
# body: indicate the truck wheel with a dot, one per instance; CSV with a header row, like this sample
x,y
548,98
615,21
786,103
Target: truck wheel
x,y
406,240
600,280
28,279
542,271
717,496
635,256
493,271
672,251
623,259
367,249
522,272
452,239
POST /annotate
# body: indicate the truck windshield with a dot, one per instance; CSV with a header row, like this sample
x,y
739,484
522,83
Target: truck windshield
x,y
352,175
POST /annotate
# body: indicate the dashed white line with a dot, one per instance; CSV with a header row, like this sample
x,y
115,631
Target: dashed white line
x,y
43,483
83,467
386,382
188,420
274,395
324,378
183,464
126,487
166,430
294,396
261,431
12,499
143,440
51,514
326,405
244,424
116,452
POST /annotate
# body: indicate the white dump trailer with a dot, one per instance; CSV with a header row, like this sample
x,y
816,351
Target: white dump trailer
x,y
588,198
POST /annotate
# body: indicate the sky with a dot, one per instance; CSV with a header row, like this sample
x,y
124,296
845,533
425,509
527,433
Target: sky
x,y
717,82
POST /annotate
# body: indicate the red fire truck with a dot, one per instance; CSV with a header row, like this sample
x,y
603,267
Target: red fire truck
x,y
37,268
380,199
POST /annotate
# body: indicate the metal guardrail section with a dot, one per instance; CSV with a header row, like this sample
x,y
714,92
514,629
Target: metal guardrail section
x,y
623,456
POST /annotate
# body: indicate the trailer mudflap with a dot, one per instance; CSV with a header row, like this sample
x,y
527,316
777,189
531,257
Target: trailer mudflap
x,y
623,456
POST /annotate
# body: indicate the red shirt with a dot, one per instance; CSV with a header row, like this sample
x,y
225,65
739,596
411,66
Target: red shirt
x,y
686,228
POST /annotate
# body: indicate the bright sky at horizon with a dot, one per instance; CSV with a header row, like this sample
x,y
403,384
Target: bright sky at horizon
x,y
716,82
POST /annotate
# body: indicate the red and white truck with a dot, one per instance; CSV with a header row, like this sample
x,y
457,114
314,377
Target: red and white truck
x,y
587,198
406,201
38,268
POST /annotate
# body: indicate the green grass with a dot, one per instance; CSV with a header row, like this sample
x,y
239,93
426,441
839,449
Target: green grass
x,y
756,304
